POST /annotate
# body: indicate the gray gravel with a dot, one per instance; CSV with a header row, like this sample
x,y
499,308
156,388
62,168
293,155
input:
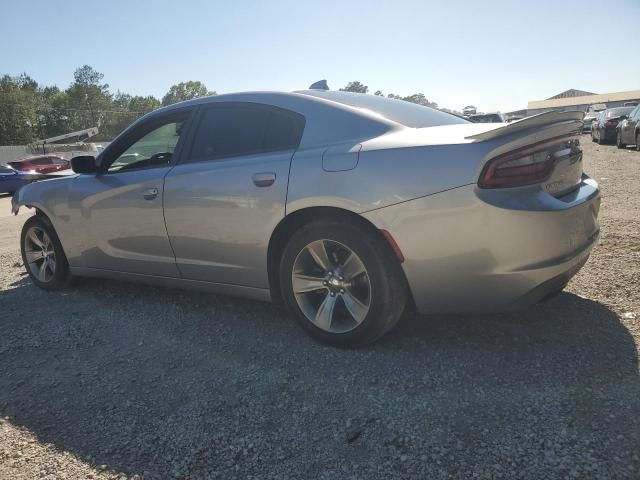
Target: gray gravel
x,y
112,380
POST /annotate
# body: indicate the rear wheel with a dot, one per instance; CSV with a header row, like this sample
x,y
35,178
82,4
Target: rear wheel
x,y
42,254
600,140
638,142
619,143
342,283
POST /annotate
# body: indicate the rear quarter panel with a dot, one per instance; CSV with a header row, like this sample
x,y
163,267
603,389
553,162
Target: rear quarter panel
x,y
386,173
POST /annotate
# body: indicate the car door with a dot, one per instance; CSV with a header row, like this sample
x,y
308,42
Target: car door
x,y
224,199
119,210
43,165
59,164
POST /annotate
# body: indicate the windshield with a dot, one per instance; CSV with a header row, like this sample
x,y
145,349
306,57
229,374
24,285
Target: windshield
x,y
398,111
617,112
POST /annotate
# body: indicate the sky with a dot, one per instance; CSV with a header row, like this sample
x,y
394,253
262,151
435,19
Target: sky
x,y
494,54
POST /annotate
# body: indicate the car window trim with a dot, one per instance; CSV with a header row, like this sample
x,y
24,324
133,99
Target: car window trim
x,y
199,114
159,118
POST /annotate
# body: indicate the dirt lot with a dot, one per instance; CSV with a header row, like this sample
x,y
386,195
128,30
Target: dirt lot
x,y
110,380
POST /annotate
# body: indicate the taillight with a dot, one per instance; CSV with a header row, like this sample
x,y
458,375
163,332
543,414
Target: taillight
x,y
525,166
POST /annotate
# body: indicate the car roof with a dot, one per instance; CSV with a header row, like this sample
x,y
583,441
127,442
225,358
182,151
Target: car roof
x,y
326,121
38,157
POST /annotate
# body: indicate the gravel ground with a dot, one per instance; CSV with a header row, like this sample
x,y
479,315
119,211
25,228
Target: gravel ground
x,y
112,380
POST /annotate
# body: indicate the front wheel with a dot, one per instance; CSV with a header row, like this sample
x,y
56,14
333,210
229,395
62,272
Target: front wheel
x,y
42,254
638,142
619,143
342,283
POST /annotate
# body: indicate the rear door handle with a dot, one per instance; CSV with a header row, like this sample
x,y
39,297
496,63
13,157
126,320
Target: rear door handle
x,y
150,193
264,179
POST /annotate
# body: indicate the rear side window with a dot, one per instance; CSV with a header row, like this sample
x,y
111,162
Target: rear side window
x,y
41,161
235,129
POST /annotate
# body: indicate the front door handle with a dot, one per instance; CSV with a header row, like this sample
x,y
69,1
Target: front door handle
x,y
150,193
264,179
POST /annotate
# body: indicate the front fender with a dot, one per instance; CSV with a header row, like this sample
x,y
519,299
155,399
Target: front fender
x,y
29,197
50,197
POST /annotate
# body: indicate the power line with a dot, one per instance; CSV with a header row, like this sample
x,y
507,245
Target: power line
x,y
50,108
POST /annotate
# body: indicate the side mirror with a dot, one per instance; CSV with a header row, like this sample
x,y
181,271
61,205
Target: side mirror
x,y
84,164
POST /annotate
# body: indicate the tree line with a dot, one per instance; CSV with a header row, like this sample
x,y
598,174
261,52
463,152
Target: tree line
x,y
29,111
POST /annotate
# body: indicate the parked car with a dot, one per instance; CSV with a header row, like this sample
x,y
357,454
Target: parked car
x,y
11,179
587,121
603,128
469,110
41,164
495,117
628,130
344,206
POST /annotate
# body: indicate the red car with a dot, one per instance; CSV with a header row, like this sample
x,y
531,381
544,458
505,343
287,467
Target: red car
x,y
41,164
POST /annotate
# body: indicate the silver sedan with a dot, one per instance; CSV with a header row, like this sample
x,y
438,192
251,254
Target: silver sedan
x,y
345,207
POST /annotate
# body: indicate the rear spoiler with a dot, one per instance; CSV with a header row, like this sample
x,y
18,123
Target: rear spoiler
x,y
542,119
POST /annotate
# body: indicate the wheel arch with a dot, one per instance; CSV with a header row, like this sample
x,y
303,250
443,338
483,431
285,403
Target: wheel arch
x,y
295,220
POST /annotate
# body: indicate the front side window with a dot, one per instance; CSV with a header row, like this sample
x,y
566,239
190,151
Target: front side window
x,y
235,129
154,146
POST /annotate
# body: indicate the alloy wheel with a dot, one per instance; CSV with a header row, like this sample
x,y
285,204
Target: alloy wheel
x,y
40,254
331,286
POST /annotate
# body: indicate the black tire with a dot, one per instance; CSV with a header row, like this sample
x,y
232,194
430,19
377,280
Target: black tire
x,y
388,287
600,140
619,143
593,138
638,142
60,275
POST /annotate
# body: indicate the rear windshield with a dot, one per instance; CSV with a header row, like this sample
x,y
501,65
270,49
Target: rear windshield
x,y
616,112
398,111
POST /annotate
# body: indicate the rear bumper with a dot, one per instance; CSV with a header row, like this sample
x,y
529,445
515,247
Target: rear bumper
x,y
610,133
470,250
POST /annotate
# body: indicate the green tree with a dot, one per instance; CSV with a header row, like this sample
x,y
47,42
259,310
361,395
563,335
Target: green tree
x,y
144,105
356,87
88,100
55,113
185,91
420,99
19,110
379,93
